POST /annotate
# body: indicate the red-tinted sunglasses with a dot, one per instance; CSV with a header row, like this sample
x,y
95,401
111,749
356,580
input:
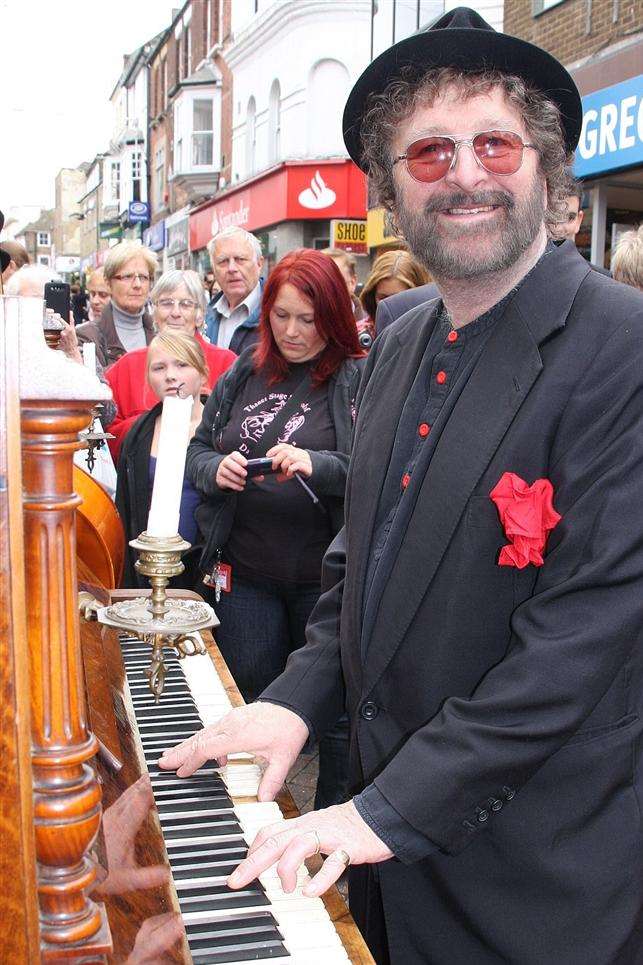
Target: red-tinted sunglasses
x,y
431,157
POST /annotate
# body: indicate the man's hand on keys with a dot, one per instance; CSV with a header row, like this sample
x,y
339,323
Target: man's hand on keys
x,y
339,832
270,732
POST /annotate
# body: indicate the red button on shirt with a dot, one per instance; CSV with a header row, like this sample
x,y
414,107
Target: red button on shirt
x,y
424,429
406,479
452,337
441,377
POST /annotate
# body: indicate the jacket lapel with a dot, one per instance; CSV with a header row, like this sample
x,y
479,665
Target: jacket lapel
x,y
494,393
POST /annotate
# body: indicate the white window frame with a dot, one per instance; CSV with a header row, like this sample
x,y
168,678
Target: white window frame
x,y
251,136
184,133
44,240
111,183
542,6
159,175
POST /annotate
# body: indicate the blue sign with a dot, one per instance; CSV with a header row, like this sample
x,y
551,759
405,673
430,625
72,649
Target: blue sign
x,y
138,212
154,236
612,135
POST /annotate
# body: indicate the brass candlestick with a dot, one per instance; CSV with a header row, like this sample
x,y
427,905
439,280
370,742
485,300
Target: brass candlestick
x,y
163,622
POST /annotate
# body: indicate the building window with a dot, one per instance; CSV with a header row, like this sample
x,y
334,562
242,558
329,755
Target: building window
x,y
114,184
540,6
137,157
164,82
274,122
251,136
220,27
208,25
202,131
159,175
43,240
44,260
328,85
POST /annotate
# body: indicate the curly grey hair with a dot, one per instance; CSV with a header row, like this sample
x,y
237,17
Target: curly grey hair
x,y
401,97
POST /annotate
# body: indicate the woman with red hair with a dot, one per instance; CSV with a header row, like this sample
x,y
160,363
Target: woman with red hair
x,y
290,398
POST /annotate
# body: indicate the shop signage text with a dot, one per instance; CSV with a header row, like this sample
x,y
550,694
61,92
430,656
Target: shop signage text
x,y
612,134
292,192
349,236
138,212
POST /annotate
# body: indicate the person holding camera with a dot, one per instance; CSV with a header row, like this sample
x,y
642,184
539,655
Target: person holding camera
x,y
289,399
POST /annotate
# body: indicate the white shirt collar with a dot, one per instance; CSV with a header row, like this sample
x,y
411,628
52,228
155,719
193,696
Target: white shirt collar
x,y
249,303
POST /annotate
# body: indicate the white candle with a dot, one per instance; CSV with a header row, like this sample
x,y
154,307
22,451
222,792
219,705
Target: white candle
x,y
89,356
170,466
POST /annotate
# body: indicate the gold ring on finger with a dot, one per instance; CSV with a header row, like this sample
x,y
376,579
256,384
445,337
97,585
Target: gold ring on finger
x,y
317,841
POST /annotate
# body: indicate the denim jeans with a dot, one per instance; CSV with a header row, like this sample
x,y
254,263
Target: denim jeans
x,y
262,622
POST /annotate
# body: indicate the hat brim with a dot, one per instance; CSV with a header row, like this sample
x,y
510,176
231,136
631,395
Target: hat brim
x,y
470,50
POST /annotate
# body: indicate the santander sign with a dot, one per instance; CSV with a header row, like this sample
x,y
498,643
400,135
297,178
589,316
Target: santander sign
x,y
318,195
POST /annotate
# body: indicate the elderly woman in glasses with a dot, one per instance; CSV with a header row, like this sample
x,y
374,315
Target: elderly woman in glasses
x,y
124,324
178,305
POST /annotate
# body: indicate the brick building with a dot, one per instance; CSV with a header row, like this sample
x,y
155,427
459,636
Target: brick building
x,y
601,43
190,116
38,238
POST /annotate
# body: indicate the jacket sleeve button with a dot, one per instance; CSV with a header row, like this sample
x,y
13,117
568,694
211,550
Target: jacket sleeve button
x,y
508,792
495,803
483,814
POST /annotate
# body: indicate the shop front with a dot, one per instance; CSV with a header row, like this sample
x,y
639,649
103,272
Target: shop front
x,y
154,239
176,253
609,157
289,206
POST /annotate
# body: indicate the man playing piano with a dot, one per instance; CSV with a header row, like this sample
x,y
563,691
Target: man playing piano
x,y
483,608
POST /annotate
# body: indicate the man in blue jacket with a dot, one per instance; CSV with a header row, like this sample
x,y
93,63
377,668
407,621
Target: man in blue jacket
x,y
232,319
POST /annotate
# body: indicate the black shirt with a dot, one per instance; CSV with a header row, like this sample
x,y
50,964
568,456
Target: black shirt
x,y
278,532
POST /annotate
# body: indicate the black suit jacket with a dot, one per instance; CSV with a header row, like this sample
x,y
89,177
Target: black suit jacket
x,y
497,709
395,305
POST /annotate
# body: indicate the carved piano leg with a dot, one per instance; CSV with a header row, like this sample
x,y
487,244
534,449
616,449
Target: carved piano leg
x,y
66,793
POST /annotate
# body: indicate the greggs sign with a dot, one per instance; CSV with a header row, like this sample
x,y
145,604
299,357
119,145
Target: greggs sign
x,y
292,192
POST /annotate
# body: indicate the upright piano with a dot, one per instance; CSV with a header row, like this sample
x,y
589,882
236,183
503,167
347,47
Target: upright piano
x,y
140,877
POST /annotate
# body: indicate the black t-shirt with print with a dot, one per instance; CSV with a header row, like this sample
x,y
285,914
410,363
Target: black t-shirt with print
x,y
278,532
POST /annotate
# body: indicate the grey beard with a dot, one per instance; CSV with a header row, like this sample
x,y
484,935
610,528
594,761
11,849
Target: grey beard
x,y
445,259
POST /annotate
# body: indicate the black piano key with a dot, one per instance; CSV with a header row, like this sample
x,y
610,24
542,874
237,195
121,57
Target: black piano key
x,y
254,952
209,830
184,794
167,808
225,851
165,792
252,923
219,897
203,775
216,869
149,729
170,686
165,712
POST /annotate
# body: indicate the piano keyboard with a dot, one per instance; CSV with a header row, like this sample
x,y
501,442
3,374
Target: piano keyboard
x,y
207,832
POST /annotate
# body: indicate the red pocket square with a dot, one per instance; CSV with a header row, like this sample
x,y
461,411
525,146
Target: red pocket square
x,y
527,515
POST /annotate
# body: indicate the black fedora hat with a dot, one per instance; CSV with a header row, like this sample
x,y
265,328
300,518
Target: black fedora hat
x,y
462,39
5,257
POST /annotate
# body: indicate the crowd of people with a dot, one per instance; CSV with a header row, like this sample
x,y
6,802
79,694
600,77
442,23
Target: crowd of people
x,y
439,575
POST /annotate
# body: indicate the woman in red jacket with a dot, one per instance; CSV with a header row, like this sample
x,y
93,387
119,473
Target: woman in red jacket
x,y
178,305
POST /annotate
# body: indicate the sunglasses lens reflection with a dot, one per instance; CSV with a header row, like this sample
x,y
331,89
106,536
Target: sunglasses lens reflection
x,y
429,158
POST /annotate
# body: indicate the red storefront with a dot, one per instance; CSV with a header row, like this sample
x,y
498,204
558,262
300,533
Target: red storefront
x,y
289,206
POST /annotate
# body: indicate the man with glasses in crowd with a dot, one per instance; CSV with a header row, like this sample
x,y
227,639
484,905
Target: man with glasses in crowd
x,y
483,609
124,323
232,317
